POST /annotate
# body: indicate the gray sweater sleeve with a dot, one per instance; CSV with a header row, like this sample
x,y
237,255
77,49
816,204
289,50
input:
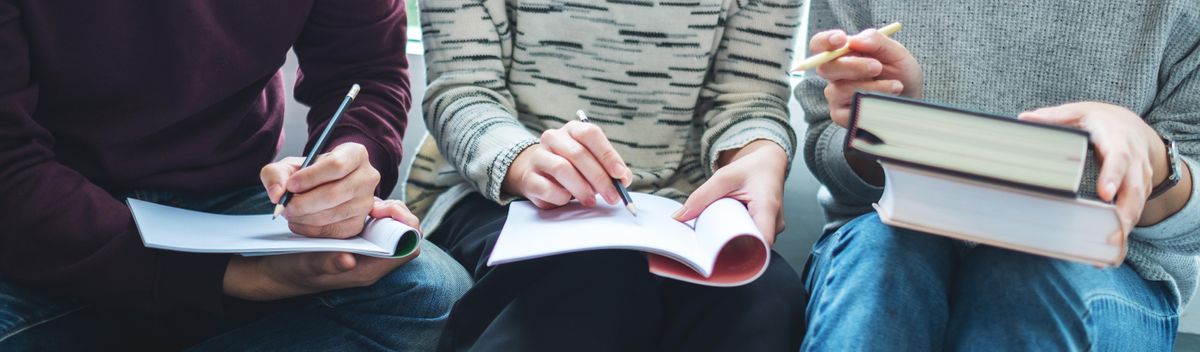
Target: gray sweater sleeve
x,y
1176,115
468,108
844,194
748,92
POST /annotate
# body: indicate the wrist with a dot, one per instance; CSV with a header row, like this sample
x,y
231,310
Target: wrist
x,y
244,280
1160,162
756,146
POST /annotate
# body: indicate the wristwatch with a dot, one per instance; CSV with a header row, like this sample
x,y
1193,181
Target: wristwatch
x,y
1172,170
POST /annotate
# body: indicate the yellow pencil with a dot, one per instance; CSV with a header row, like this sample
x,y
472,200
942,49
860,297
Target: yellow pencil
x,y
819,59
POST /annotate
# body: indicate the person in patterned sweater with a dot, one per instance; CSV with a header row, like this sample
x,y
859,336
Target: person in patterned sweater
x,y
692,100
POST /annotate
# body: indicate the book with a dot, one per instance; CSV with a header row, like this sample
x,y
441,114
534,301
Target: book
x,y
721,247
986,178
176,229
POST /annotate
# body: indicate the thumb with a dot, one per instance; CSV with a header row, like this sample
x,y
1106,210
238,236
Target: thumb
x,y
275,175
712,190
395,210
329,263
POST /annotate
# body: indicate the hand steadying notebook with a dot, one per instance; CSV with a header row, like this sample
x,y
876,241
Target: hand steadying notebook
x,y
183,230
721,247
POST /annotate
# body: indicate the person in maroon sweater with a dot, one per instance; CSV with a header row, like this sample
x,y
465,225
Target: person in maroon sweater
x,y
181,102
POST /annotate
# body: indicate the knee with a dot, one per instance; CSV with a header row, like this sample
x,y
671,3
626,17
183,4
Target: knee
x,y
867,240
426,287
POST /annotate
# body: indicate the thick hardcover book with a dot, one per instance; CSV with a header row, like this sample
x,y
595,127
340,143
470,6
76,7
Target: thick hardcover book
x,y
986,178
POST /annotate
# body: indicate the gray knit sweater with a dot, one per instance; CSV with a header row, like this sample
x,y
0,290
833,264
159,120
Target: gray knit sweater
x,y
1010,56
672,83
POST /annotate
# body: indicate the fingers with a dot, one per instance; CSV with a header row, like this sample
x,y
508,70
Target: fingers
x,y
826,41
561,143
544,192
840,94
1131,199
353,209
874,44
396,210
565,175
275,176
357,185
853,68
597,143
715,188
329,167
339,230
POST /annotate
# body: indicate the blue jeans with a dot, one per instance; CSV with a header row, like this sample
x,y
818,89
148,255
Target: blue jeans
x,y
403,311
875,287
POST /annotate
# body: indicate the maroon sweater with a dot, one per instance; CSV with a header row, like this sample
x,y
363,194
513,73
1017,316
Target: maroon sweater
x,y
101,97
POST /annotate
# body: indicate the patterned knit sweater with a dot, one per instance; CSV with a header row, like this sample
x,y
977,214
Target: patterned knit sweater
x,y
672,83
1011,56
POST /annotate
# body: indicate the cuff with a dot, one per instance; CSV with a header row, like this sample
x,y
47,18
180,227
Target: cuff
x,y
748,130
831,157
190,279
500,166
1182,223
380,157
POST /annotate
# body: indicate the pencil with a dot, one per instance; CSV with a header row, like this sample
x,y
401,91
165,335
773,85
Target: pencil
x,y
316,149
820,59
625,198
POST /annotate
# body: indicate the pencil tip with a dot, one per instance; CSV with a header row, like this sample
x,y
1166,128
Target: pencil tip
x,y
278,210
632,209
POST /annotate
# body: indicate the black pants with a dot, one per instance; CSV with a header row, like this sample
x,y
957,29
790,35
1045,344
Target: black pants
x,y
606,300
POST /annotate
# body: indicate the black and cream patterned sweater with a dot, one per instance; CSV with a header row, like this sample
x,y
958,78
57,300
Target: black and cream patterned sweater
x,y
672,83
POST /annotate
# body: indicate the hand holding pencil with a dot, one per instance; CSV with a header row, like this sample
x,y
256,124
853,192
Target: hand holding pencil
x,y
574,161
868,61
324,195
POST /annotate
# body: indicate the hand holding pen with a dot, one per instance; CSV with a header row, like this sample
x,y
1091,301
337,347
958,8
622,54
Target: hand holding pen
x,y
573,161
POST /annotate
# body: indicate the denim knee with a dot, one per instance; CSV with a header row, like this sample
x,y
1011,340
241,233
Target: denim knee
x,y
868,237
426,287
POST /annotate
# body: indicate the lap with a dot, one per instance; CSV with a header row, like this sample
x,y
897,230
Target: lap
x,y
1041,302
612,291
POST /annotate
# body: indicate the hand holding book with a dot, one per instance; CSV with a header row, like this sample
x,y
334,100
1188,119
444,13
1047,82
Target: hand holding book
x,y
1134,159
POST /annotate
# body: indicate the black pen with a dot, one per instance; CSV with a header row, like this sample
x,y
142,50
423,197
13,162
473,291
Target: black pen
x,y
316,149
615,181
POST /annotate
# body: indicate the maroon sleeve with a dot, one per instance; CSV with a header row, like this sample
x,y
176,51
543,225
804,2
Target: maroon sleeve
x,y
357,41
61,233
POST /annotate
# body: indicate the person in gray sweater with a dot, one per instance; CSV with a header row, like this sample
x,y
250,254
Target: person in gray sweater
x,y
1127,72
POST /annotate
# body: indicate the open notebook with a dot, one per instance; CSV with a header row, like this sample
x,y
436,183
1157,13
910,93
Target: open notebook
x,y
183,230
722,247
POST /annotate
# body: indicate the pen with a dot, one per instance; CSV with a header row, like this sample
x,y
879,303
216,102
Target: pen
x,y
615,181
820,59
312,154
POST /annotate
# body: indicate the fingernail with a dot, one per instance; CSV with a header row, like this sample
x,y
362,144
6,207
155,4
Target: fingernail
x,y
1110,188
679,214
897,87
875,66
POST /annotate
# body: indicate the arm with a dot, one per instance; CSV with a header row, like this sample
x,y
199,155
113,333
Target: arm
x,y
362,41
1171,221
468,109
746,97
67,235
748,140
